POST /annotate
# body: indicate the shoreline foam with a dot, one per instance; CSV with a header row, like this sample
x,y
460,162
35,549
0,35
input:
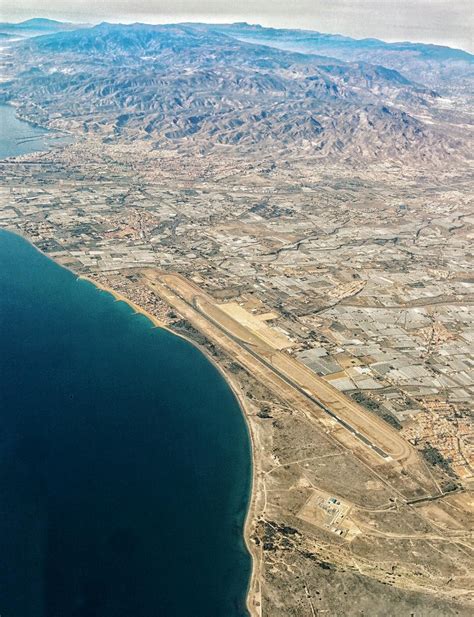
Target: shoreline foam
x,y
252,592
253,599
255,561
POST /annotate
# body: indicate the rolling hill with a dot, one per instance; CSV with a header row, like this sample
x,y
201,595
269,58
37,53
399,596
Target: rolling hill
x,y
201,87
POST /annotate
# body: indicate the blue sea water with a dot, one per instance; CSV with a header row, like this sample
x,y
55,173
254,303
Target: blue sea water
x,y
124,458
18,137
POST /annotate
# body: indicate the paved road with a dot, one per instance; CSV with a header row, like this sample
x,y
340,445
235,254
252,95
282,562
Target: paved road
x,y
291,383
193,305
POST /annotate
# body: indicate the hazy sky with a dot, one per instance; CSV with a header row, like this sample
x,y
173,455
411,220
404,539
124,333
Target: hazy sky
x,y
448,22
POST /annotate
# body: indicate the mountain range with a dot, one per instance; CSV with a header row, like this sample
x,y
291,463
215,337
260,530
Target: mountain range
x,y
35,27
205,86
436,66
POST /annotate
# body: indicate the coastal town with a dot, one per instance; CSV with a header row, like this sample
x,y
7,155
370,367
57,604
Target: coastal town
x,y
374,299
306,223
359,294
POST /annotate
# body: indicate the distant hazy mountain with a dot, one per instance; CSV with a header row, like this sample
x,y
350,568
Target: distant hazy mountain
x,y
433,65
126,39
201,87
312,40
37,23
36,27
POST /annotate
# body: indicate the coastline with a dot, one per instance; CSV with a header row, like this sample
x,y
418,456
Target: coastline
x,y
15,105
253,596
41,138
253,599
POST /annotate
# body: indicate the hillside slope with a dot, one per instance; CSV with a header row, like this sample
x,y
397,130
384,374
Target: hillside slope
x,y
193,87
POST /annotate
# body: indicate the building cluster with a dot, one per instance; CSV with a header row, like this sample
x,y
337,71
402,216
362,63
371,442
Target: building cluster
x,y
371,284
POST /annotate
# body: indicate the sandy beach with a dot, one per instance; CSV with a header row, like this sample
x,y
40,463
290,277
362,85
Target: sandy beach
x,y
254,592
253,599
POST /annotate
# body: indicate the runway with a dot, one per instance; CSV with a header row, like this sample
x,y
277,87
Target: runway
x,y
285,375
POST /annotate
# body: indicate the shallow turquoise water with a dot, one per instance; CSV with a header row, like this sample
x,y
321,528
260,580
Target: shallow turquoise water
x,y
124,458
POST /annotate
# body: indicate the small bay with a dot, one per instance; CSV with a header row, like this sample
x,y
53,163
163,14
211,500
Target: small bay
x,y
18,137
125,462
